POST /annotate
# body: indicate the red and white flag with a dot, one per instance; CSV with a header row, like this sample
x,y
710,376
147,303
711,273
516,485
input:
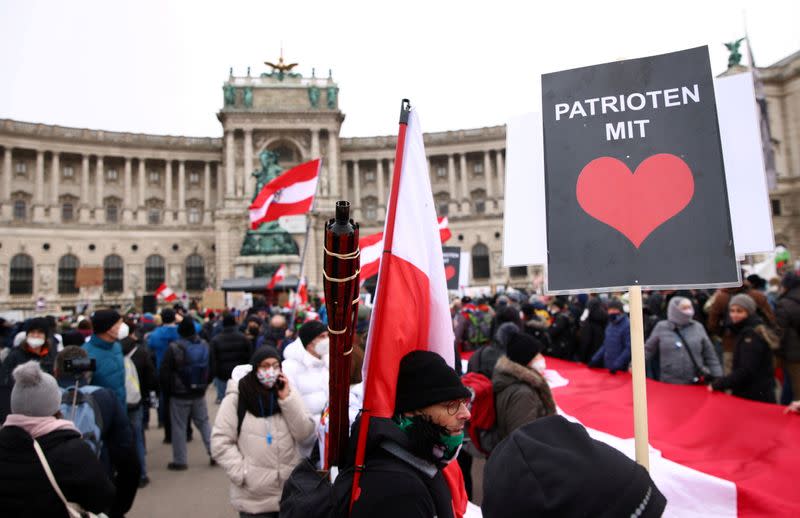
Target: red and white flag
x,y
372,247
302,292
289,194
411,303
166,293
277,277
710,454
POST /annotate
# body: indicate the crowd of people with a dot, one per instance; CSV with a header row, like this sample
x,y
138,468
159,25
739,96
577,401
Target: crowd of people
x,y
79,392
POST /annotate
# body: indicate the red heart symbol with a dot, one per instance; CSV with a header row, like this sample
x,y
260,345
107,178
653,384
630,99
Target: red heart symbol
x,y
449,271
635,203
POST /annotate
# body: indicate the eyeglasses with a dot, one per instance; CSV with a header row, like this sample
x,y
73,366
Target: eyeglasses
x,y
454,406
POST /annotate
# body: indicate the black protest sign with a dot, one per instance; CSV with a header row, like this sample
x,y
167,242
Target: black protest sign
x,y
452,265
635,184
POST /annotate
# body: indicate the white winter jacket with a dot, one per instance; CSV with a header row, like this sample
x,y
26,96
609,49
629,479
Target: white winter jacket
x,y
309,375
258,470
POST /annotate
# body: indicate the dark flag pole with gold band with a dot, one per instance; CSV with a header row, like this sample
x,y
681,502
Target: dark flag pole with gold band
x,y
341,269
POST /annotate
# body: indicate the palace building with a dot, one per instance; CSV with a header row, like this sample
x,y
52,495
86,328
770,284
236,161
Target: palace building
x,y
152,209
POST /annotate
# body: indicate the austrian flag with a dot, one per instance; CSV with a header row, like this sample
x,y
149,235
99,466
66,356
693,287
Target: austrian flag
x,y
291,193
165,293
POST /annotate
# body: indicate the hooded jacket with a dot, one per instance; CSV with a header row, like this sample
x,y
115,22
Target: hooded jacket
x,y
24,487
110,371
257,470
752,376
521,395
615,353
308,375
395,482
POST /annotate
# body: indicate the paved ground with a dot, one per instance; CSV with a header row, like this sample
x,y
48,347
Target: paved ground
x,y
202,490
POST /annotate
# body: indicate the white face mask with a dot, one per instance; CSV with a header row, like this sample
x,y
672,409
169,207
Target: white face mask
x,y
34,343
539,365
322,348
123,331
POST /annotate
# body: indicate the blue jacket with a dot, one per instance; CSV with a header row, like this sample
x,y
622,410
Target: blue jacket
x,y
158,341
110,371
615,353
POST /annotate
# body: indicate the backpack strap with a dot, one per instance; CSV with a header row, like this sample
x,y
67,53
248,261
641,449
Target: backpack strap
x,y
74,513
697,370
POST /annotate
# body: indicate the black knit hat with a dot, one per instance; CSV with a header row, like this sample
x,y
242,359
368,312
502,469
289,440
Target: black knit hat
x,y
103,320
565,473
167,316
186,328
262,353
311,330
38,324
522,348
228,320
615,304
424,379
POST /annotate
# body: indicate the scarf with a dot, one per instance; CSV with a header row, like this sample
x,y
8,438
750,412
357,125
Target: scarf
x,y
38,426
256,398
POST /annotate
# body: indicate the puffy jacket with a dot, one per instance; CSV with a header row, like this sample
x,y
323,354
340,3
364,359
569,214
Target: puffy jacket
x,y
24,487
308,375
228,349
158,341
110,371
615,353
787,313
675,364
258,470
521,396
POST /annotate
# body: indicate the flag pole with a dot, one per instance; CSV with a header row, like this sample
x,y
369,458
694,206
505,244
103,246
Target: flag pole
x,y
640,431
388,238
305,249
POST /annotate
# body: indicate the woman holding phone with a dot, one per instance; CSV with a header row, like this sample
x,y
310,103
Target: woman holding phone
x,y
259,424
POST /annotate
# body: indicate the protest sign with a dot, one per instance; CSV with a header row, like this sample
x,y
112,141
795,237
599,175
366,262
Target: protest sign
x,y
214,300
634,177
452,265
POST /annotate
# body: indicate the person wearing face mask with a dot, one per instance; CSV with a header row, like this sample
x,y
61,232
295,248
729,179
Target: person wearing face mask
x,y
258,428
521,392
752,375
405,454
104,346
275,334
35,346
615,353
685,352
306,366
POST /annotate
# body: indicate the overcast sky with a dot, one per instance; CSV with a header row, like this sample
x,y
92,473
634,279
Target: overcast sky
x,y
157,66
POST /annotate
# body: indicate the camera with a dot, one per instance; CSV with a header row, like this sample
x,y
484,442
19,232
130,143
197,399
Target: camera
x,y
78,366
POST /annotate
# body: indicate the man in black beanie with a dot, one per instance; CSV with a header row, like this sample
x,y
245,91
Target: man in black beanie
x,y
185,374
552,468
405,454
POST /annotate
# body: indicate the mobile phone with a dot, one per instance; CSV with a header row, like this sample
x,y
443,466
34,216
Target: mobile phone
x,y
279,384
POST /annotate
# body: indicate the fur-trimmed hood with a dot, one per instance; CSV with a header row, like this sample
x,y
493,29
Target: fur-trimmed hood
x,y
508,373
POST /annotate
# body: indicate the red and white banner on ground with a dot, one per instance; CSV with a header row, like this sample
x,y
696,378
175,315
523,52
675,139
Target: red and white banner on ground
x,y
277,277
289,194
372,247
710,454
166,293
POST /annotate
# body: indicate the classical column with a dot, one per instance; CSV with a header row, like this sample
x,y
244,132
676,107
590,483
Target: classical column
x,y
464,187
381,191
182,191
207,193
345,181
84,215
7,173
501,173
356,191
127,191
55,178
487,175
141,212
169,212
451,185
333,168
248,164
230,166
38,192
315,154
220,184
99,179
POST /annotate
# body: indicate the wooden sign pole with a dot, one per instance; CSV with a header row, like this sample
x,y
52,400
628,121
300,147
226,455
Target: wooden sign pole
x,y
640,432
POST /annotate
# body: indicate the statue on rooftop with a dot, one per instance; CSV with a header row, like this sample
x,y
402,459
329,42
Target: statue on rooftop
x,y
248,97
229,94
735,57
332,94
313,96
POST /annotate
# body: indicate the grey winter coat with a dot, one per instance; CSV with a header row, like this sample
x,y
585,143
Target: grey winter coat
x,y
676,366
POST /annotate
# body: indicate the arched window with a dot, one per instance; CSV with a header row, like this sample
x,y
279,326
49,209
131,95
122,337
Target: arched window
x,y
67,271
154,272
113,270
480,261
195,273
21,275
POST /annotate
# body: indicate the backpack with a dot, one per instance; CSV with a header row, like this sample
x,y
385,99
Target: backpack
x,y
479,328
193,365
133,391
86,417
482,409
